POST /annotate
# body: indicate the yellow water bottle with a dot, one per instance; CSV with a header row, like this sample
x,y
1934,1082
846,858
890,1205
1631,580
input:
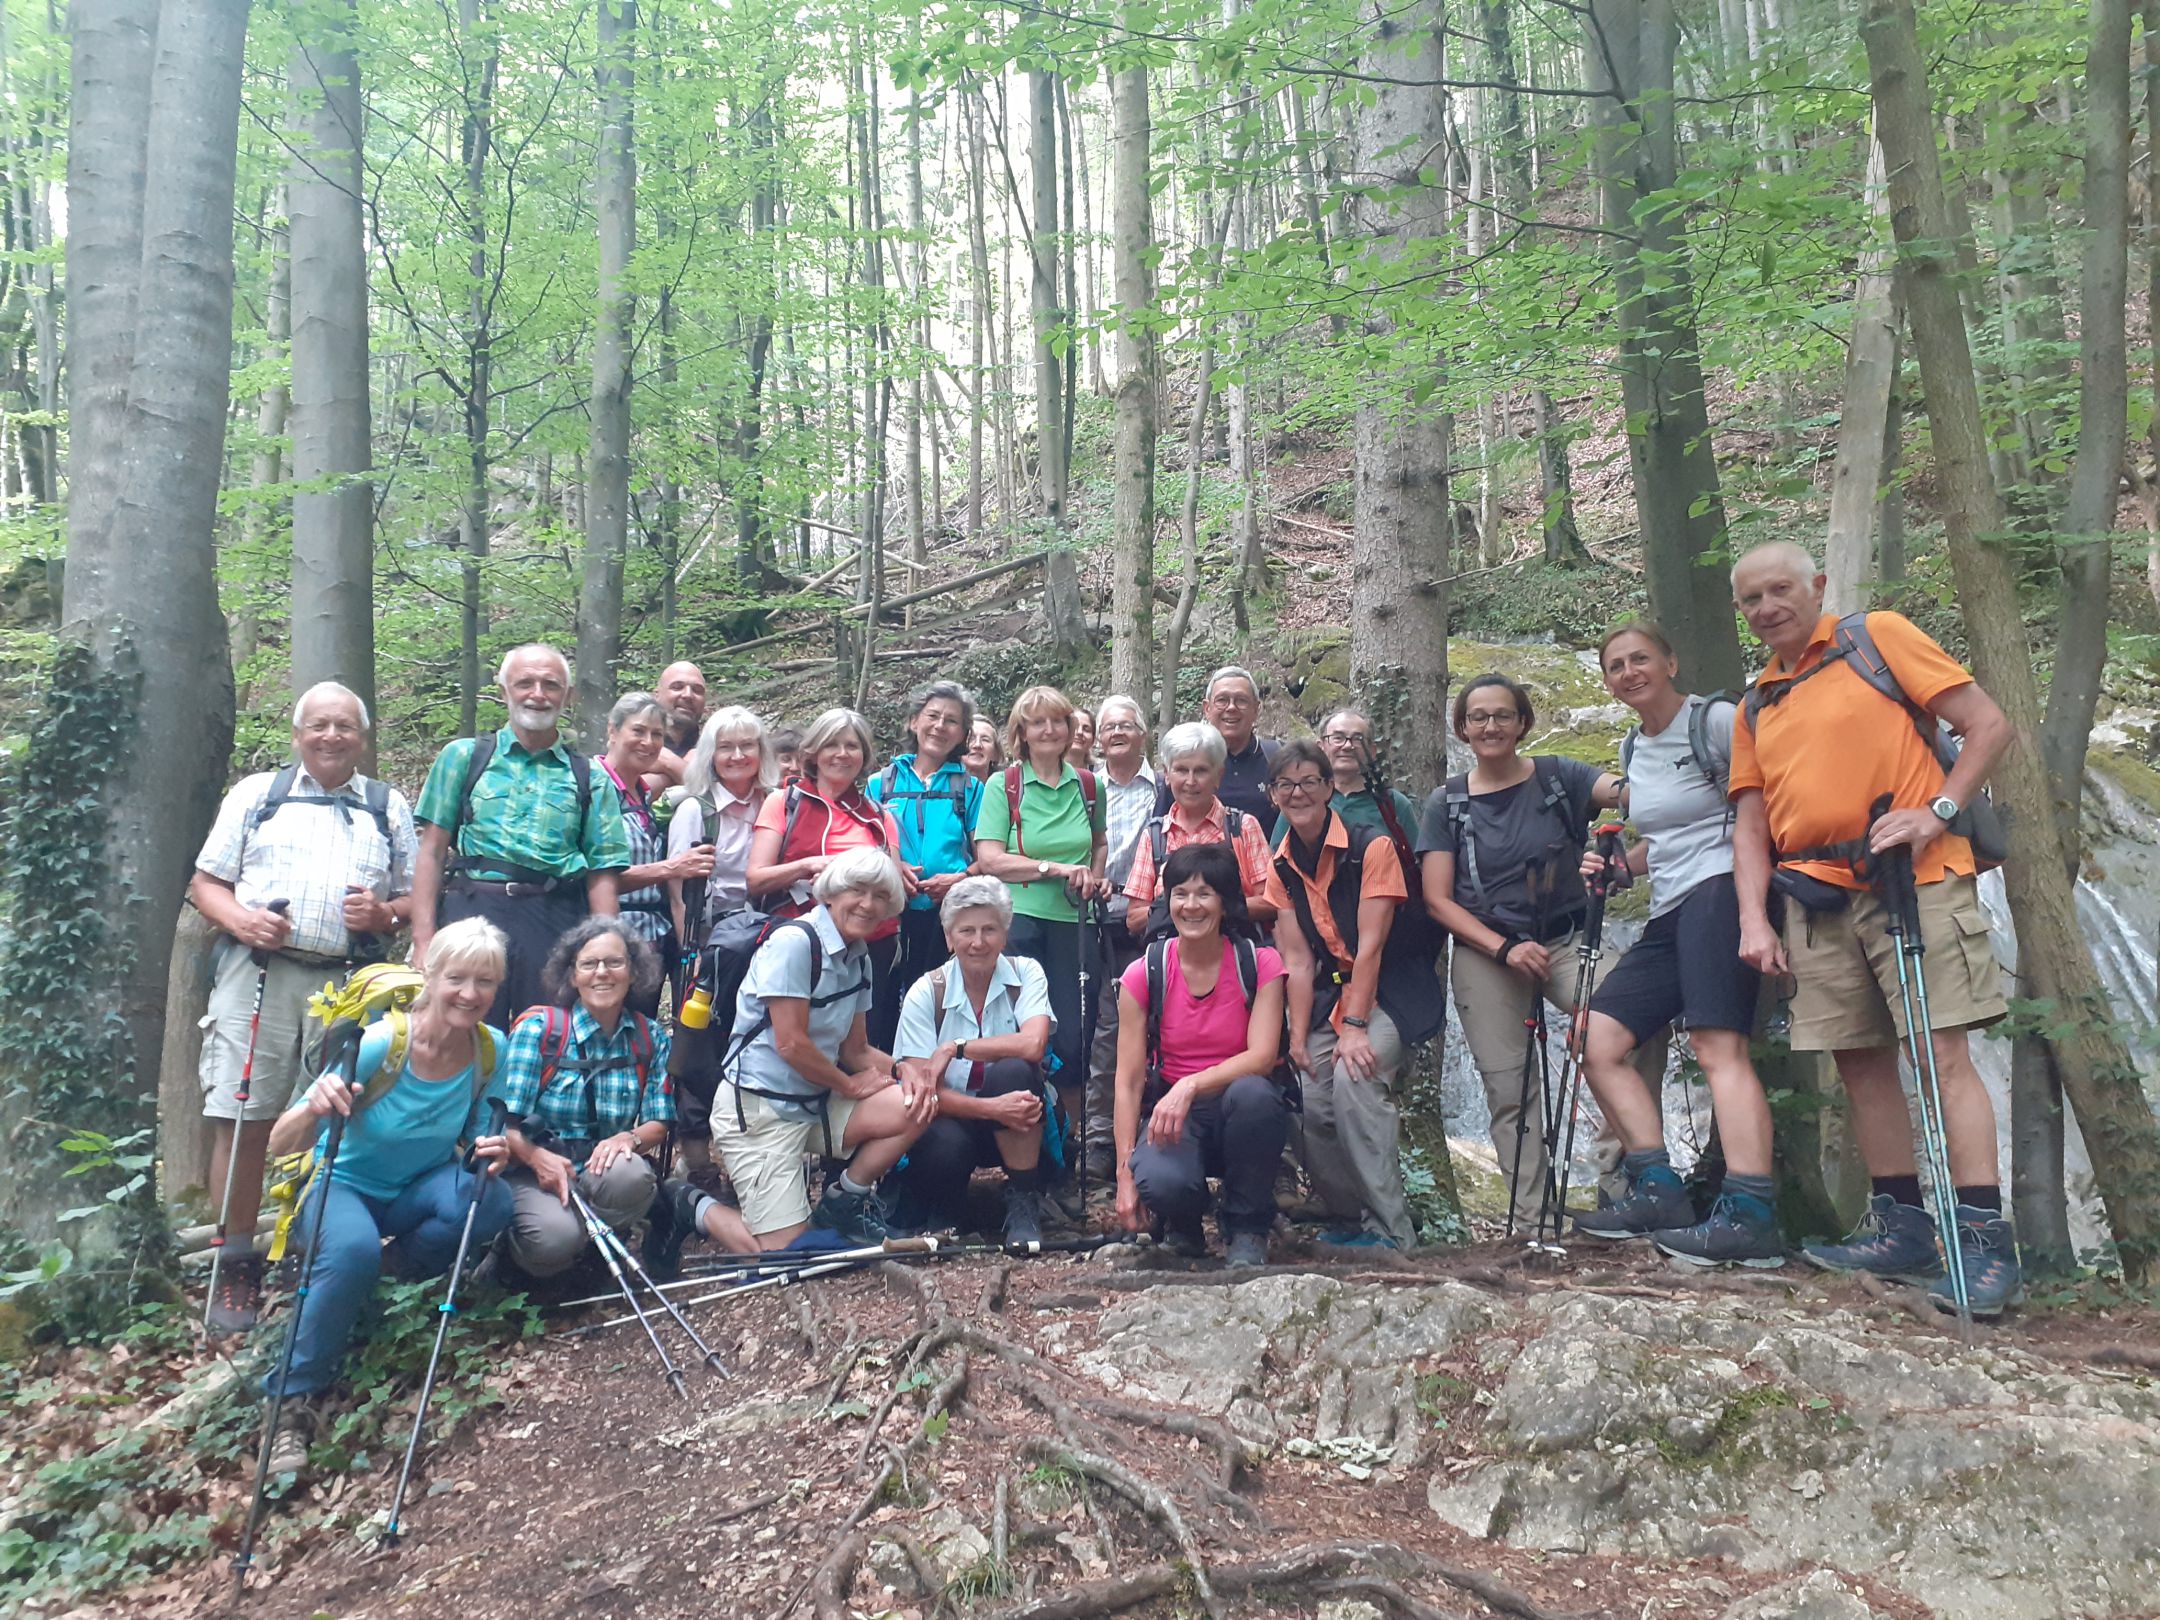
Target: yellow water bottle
x,y
697,1011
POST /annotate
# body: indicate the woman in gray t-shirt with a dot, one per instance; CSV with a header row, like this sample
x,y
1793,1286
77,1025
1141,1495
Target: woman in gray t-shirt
x,y
1685,970
1499,852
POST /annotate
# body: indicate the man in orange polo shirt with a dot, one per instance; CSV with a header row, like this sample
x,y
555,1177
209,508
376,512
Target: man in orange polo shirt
x,y
1358,1002
1822,745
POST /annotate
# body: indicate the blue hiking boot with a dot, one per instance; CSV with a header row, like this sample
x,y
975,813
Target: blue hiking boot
x,y
1893,1241
857,1217
1740,1231
1993,1279
1657,1203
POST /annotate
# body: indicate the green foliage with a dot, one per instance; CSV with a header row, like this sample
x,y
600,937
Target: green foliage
x,y
1574,606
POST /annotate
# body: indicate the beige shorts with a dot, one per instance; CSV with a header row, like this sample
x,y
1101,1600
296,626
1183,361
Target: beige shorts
x,y
278,1076
763,1154
1846,965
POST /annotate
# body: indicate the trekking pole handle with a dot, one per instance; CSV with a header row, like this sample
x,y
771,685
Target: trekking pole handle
x,y
1609,845
498,1117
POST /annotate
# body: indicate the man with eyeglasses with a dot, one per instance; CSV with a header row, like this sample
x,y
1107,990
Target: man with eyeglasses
x,y
1129,786
1346,739
335,851
1232,707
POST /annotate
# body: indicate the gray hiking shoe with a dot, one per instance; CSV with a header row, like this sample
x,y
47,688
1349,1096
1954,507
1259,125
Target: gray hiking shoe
x,y
1658,1203
1023,1217
1993,1279
1894,1241
1246,1249
1740,1231
236,1302
859,1218
289,1442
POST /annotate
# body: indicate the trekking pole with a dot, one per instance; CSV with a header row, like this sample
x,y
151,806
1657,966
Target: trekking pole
x,y
1899,893
232,1153
1589,951
1090,942
497,1113
1538,880
623,1253
244,1558
597,1230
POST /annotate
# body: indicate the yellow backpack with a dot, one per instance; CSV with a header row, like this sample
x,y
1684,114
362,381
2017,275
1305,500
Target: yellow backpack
x,y
381,992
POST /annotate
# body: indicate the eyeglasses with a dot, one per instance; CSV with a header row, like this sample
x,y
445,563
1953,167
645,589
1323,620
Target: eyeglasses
x,y
1494,717
1234,700
605,964
1340,737
1118,728
1291,787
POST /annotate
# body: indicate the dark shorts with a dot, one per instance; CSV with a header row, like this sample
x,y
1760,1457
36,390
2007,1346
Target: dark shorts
x,y
1685,970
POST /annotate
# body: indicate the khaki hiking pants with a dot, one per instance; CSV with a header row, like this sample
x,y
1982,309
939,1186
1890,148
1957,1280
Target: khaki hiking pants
x,y
1493,1003
1352,1133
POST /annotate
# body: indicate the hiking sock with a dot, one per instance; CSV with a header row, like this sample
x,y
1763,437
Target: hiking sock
x,y
852,1187
1030,1178
1649,1159
1760,1188
704,1202
1987,1198
1899,1189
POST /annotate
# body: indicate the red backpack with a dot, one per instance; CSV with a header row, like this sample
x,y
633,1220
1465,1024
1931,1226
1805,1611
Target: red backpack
x,y
1013,789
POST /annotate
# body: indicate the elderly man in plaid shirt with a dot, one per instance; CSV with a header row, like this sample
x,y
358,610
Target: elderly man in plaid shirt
x,y
585,1087
518,828
339,850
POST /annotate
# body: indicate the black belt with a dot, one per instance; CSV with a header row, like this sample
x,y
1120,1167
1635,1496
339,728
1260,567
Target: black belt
x,y
516,891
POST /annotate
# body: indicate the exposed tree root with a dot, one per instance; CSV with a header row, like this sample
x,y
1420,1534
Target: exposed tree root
x,y
829,1586
2123,1355
1148,1497
993,1294
1388,1593
1909,1300
1298,1566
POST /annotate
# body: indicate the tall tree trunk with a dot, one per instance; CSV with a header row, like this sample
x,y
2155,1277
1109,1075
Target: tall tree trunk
x,y
481,57
1629,53
1400,553
264,509
980,340
1043,295
919,360
753,534
153,139
333,540
1871,363
607,500
1132,241
2098,1072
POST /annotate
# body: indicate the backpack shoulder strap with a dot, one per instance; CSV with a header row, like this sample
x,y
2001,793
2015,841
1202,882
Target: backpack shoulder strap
x,y
1012,806
581,769
554,1042
791,810
393,1063
1088,791
887,780
1158,842
1627,749
1157,974
642,1048
273,799
376,801
1248,970
1856,641
1552,786
484,1070
476,764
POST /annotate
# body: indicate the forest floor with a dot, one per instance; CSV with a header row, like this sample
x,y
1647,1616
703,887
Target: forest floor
x,y
975,1437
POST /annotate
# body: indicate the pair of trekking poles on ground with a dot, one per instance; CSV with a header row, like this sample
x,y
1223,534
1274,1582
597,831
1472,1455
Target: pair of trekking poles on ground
x,y
1890,875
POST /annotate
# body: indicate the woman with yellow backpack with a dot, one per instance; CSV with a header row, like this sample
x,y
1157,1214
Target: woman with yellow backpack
x,y
414,1094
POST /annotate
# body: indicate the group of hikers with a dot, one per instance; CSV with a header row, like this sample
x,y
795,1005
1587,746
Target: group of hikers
x,y
747,952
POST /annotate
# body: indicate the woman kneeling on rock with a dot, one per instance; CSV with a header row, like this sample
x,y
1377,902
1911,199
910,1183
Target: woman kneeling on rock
x,y
978,1026
1198,1068
398,1174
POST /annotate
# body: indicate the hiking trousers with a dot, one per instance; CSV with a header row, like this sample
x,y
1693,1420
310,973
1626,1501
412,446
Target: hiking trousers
x,y
1237,1135
546,1235
1353,1133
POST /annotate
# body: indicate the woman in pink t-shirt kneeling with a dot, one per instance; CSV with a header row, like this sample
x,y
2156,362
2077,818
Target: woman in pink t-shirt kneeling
x,y
1197,1070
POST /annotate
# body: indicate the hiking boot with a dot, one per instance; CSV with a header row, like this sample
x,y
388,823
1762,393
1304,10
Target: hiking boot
x,y
858,1217
1023,1216
1245,1249
289,1442
1993,1279
671,1221
1893,1241
1704,1183
1186,1242
1063,1203
1658,1203
237,1300
693,1153
1357,1238
1740,1231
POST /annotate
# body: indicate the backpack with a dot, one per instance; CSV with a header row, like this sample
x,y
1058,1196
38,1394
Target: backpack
x,y
1013,789
1158,911
1717,772
1408,991
790,815
555,1041
1455,803
889,790
731,956
1852,643
483,753
937,1002
1158,964
375,800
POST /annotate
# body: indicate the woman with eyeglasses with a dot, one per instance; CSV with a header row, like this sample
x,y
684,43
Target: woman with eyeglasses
x,y
1499,851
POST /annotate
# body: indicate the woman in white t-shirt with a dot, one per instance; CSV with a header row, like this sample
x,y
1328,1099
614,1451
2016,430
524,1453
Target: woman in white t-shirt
x,y
1685,970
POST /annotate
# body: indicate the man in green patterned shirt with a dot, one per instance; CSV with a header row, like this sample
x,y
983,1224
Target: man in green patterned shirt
x,y
516,828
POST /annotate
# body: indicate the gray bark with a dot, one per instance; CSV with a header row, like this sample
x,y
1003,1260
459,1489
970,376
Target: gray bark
x,y
1132,234
333,568
476,137
1871,362
1629,53
1043,295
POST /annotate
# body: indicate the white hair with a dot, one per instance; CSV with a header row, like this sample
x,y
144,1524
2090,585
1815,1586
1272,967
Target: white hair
x,y
971,892
865,868
1232,672
1119,701
331,689
502,670
1787,555
1193,737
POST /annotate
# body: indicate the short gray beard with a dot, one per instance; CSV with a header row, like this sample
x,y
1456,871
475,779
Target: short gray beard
x,y
532,719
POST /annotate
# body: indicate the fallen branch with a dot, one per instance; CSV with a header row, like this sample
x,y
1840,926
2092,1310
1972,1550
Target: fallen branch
x,y
1909,1300
2123,1355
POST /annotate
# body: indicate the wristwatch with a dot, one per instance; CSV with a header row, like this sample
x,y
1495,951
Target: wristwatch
x,y
1943,808
1356,1023
1042,869
959,1049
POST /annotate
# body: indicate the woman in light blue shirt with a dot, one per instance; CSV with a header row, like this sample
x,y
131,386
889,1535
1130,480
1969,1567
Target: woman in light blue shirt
x,y
978,1028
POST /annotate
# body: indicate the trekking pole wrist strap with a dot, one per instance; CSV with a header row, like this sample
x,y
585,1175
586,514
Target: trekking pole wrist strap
x,y
1507,943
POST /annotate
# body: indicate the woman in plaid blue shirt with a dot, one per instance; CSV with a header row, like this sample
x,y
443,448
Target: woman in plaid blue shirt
x,y
585,1083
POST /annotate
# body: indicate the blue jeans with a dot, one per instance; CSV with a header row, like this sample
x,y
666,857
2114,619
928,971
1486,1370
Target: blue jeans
x,y
424,1221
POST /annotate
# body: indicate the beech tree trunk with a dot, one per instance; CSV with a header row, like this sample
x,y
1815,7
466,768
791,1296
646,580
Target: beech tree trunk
x,y
153,135
1043,296
1399,557
333,540
607,499
476,135
2099,1073
1629,55
1132,239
